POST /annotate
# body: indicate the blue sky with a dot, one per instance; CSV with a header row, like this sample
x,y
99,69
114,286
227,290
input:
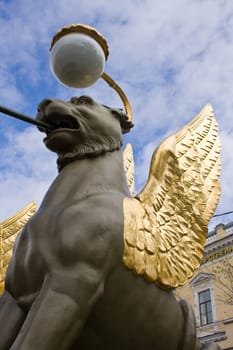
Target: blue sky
x,y
170,57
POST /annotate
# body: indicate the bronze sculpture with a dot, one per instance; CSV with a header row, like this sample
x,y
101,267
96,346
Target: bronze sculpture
x,y
66,286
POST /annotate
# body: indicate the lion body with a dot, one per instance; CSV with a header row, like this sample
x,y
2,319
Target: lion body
x,y
66,285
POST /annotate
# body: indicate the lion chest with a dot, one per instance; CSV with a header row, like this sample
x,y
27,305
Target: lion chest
x,y
64,237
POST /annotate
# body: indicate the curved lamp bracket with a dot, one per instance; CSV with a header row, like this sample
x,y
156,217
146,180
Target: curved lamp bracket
x,y
121,93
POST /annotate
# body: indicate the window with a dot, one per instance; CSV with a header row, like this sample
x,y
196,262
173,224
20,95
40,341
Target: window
x,y
205,307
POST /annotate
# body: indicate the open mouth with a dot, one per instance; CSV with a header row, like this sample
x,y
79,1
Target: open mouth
x,y
60,122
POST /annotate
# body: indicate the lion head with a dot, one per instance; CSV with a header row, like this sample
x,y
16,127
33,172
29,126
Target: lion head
x,y
82,128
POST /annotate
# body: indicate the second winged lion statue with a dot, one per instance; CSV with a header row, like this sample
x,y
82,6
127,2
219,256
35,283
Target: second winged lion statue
x,y
94,267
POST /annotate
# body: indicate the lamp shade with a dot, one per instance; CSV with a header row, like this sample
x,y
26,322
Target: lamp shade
x,y
77,56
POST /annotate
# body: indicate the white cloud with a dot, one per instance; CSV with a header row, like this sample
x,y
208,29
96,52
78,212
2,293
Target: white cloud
x,y
26,170
226,202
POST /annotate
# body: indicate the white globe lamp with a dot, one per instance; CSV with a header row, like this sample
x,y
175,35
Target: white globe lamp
x,y
78,55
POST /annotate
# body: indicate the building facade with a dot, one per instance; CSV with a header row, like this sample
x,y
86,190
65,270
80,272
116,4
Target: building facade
x,y
210,291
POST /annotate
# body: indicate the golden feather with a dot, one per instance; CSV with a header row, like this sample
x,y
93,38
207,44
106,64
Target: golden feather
x,y
166,223
9,229
129,166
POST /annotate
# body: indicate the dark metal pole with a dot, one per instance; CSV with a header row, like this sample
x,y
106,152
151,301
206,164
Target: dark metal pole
x,y
25,118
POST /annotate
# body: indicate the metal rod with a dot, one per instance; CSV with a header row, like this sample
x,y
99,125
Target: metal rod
x,y
228,212
25,118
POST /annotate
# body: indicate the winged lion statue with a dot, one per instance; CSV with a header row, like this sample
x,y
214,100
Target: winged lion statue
x,y
95,266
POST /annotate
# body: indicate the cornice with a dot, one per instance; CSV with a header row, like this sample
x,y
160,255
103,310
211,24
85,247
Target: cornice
x,y
218,249
222,242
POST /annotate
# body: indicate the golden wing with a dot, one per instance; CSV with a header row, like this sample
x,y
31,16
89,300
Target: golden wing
x,y
9,229
129,166
166,223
